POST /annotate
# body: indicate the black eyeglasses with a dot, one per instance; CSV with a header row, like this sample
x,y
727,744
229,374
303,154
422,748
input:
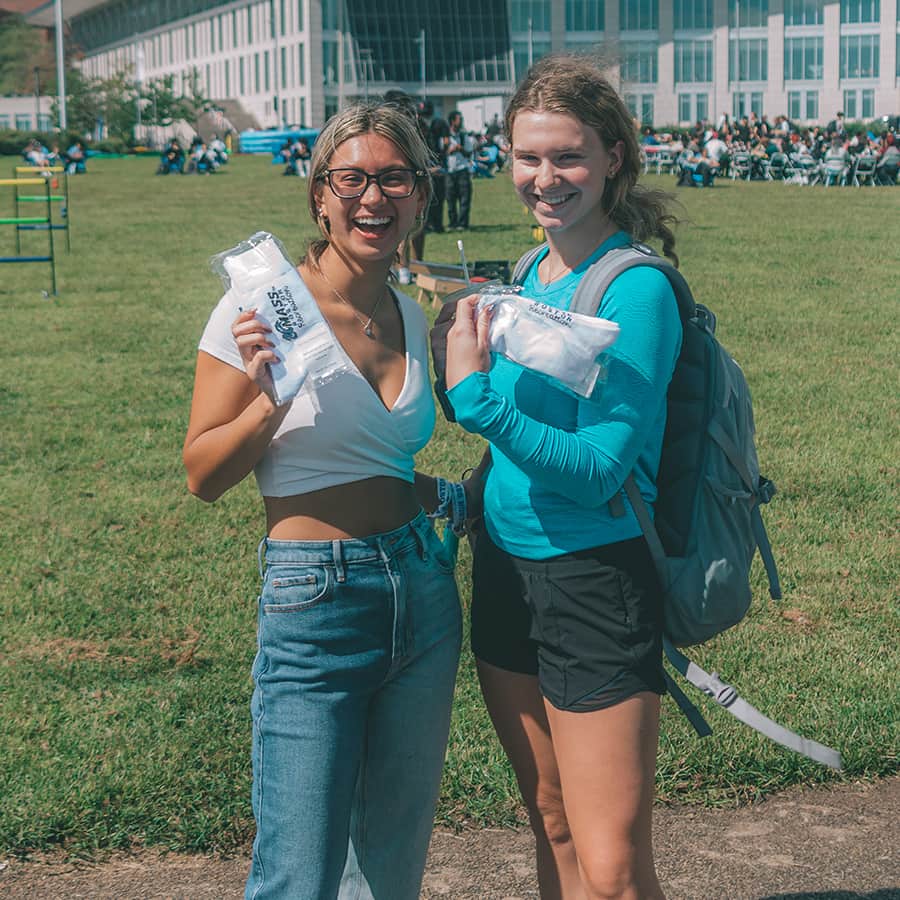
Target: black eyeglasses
x,y
347,184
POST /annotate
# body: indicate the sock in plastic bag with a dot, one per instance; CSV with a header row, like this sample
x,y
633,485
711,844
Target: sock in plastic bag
x,y
564,346
261,276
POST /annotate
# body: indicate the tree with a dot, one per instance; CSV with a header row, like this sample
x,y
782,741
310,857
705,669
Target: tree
x,y
83,108
21,51
163,106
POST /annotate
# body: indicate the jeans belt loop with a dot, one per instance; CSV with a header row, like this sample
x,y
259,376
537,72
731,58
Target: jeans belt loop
x,y
260,550
338,554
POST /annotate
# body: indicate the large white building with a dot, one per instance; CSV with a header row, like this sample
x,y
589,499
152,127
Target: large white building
x,y
296,61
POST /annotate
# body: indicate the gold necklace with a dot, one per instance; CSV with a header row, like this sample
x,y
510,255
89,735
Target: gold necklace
x,y
552,278
368,331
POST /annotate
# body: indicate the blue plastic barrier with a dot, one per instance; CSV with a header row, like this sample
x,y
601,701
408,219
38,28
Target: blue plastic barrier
x,y
272,141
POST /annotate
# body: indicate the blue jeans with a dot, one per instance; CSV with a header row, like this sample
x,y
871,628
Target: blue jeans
x,y
358,646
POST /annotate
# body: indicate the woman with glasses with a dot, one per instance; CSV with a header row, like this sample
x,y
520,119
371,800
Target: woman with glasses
x,y
359,619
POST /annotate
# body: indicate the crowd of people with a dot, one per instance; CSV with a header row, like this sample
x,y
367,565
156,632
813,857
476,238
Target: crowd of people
x,y
73,159
202,158
756,149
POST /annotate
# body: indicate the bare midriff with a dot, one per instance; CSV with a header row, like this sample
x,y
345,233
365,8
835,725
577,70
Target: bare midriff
x,y
353,510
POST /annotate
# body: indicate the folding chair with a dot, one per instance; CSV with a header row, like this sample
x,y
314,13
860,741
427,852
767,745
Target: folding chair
x,y
664,161
776,170
863,171
834,171
741,165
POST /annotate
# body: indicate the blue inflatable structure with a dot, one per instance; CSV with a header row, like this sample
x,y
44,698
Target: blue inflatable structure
x,y
271,141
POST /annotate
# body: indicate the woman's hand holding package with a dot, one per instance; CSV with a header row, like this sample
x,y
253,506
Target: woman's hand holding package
x,y
468,342
251,337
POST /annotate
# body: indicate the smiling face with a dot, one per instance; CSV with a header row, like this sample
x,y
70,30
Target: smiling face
x,y
369,227
560,170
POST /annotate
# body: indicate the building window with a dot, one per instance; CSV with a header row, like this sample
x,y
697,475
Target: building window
x,y
284,67
4,121
266,70
242,81
749,59
693,61
853,11
329,62
638,15
249,24
301,65
804,12
256,81
793,104
303,110
639,63
522,53
44,119
640,106
23,122
868,103
753,13
756,103
585,15
803,59
812,105
693,14
212,36
300,22
850,104
702,107
282,17
684,107
859,55
535,13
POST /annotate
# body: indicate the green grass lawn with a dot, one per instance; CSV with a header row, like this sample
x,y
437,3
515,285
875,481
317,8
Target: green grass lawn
x,y
128,606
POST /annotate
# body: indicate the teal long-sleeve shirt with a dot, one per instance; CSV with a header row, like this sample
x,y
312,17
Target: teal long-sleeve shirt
x,y
557,459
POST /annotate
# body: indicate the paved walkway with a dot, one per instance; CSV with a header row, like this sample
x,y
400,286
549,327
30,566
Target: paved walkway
x,y
839,843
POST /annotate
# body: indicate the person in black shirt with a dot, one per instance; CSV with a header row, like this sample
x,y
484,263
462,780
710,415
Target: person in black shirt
x,y
438,139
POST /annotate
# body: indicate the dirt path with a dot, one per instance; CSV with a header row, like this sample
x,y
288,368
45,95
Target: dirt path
x,y
825,844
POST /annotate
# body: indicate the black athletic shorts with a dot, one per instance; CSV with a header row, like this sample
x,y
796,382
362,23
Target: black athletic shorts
x,y
588,624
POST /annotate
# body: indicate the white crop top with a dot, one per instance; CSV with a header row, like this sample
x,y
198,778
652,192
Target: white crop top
x,y
340,432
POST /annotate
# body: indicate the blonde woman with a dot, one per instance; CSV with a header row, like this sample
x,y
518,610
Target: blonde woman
x,y
359,619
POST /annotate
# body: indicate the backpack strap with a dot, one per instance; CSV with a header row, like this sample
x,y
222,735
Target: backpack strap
x,y
601,274
727,697
525,262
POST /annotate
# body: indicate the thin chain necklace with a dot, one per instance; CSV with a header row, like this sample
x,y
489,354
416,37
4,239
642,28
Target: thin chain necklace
x,y
608,230
368,331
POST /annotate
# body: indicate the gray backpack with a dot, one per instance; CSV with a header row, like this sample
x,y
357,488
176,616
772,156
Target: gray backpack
x,y
707,525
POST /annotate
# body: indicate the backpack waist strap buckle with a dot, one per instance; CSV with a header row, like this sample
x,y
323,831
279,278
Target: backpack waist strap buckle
x,y
765,490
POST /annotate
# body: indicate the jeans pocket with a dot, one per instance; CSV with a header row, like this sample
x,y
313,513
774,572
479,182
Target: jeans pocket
x,y
296,589
437,550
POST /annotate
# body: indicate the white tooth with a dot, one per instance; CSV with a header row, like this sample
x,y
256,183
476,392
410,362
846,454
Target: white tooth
x,y
373,221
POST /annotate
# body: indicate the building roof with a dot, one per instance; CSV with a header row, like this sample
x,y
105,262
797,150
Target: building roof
x,y
19,6
43,11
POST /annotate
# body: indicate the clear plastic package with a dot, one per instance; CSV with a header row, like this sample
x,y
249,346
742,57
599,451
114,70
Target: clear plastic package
x,y
564,346
262,277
